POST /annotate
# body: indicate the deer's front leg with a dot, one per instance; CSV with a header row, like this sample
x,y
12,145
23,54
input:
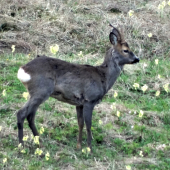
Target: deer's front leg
x,y
80,119
87,113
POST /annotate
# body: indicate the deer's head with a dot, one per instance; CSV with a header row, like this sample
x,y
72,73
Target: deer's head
x,y
121,50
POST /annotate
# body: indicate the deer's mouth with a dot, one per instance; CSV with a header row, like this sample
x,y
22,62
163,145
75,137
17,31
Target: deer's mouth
x,y
136,60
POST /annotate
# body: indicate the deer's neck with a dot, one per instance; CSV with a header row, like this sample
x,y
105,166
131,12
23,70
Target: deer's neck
x,y
111,68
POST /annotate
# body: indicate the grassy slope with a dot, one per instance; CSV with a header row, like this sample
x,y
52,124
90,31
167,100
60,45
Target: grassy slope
x,y
119,141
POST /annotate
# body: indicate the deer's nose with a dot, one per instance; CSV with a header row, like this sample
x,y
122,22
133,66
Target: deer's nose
x,y
136,60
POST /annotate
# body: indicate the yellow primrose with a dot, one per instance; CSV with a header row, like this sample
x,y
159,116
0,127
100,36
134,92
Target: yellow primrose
x,y
54,49
156,61
141,153
136,85
150,35
144,88
36,140
157,93
4,93
25,95
41,130
88,149
4,160
100,122
131,12
113,106
38,151
23,151
168,3
118,114
140,113
160,7
25,138
83,150
115,94
20,145
13,48
47,156
80,54
164,3
128,167
166,87
159,76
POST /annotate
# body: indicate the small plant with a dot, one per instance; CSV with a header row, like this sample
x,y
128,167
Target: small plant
x,y
131,13
144,88
86,151
54,49
25,95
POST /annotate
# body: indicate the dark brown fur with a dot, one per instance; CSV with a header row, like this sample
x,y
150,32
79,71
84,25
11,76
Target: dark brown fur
x,y
81,85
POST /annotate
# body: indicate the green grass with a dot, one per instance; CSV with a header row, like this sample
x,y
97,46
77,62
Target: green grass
x,y
141,142
61,129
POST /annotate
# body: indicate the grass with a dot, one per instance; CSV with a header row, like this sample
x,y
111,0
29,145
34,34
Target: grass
x,y
141,142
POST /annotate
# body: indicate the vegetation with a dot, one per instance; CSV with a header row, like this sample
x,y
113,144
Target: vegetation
x,y
131,126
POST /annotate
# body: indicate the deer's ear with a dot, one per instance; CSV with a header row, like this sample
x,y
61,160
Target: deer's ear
x,y
113,38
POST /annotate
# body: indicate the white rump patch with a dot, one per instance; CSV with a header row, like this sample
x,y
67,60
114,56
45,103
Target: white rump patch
x,y
23,76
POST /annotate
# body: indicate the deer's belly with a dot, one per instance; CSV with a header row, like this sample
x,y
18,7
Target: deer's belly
x,y
71,99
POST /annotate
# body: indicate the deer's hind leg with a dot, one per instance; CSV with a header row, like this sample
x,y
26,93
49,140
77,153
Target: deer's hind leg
x,y
37,96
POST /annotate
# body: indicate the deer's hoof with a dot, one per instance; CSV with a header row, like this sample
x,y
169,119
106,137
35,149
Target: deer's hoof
x,y
78,146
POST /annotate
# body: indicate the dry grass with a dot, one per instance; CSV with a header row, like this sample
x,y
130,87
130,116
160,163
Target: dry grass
x,y
33,26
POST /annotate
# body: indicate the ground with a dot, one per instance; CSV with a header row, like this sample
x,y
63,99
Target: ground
x,y
130,131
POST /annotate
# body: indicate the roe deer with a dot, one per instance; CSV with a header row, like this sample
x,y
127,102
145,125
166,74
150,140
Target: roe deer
x,y
81,85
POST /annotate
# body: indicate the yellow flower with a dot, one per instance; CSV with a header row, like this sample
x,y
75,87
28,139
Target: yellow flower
x,y
38,151
136,85
25,138
113,107
83,150
131,13
115,94
25,95
36,140
88,149
157,93
20,145
150,35
47,156
156,61
54,49
168,3
4,93
0,128
141,153
23,151
144,88
41,130
166,87
144,65
140,113
164,3
118,114
159,76
4,160
160,7
100,122
13,48
32,136
128,167
80,54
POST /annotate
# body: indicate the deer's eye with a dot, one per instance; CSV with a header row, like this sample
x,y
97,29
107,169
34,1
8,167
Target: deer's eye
x,y
125,51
